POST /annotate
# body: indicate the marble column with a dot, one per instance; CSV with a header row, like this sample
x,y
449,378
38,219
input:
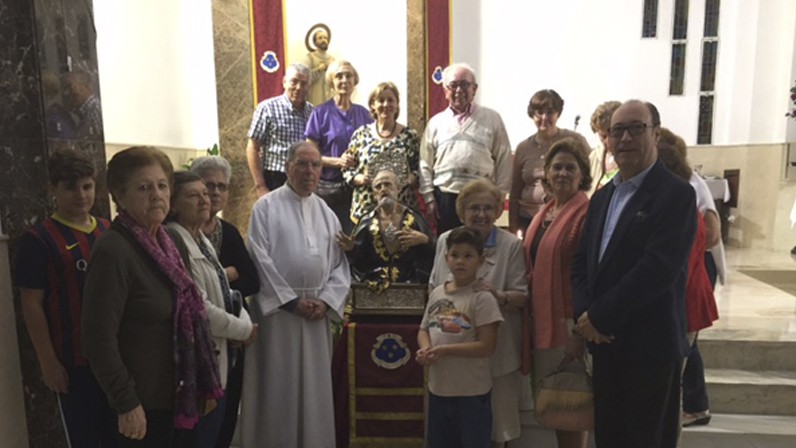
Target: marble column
x,y
48,82
416,70
235,93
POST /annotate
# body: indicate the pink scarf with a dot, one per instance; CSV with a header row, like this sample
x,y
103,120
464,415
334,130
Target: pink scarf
x,y
196,374
549,279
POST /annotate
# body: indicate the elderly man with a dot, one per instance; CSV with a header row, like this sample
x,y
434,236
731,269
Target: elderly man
x,y
628,279
277,122
464,142
391,243
304,280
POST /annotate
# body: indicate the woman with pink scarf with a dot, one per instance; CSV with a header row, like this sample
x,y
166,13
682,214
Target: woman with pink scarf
x,y
550,242
145,328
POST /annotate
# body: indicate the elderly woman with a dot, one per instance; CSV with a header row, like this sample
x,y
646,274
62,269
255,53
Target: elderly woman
x,y
550,243
391,243
330,127
384,141
527,192
479,205
190,210
145,330
238,265
603,168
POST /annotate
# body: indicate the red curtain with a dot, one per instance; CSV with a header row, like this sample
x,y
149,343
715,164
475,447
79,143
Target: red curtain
x,y
268,47
438,52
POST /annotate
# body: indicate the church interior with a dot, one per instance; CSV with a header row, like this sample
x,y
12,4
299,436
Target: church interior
x,y
183,76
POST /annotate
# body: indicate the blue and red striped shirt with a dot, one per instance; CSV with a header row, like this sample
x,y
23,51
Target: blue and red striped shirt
x,y
53,256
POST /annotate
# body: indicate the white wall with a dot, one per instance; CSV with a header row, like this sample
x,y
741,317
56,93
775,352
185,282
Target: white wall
x,y
591,52
157,72
762,219
157,76
370,34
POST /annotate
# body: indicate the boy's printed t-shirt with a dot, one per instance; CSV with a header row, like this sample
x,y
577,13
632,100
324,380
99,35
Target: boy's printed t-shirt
x,y
452,318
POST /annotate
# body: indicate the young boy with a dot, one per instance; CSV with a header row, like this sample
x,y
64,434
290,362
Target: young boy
x,y
50,272
457,337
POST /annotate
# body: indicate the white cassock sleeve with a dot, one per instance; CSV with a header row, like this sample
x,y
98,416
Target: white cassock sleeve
x,y
274,289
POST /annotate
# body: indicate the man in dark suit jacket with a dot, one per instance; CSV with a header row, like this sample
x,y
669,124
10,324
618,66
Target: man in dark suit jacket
x,y
628,279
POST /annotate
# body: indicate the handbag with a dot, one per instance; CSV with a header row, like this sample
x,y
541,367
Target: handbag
x,y
565,399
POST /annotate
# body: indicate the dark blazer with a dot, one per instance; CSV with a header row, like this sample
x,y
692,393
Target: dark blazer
x,y
637,291
233,253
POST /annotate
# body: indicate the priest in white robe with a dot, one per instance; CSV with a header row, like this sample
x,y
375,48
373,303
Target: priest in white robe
x,y
304,279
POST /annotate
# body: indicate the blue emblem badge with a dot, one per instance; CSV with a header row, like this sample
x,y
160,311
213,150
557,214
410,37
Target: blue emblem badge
x,y
269,62
390,351
436,76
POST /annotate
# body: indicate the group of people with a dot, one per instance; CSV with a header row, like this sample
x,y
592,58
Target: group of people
x,y
141,325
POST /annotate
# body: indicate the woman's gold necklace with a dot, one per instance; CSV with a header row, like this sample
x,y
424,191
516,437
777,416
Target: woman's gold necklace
x,y
392,131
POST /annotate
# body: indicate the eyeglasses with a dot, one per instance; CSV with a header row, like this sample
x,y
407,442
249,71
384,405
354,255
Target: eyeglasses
x,y
220,186
464,85
481,209
542,112
304,164
617,132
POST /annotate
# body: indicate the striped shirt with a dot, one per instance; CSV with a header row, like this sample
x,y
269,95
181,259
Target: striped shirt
x,y
276,124
53,256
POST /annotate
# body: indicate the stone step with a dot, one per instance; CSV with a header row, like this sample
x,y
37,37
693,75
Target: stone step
x,y
746,354
724,431
736,391
742,431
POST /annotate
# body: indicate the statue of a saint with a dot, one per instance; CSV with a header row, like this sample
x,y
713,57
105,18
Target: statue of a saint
x,y
317,42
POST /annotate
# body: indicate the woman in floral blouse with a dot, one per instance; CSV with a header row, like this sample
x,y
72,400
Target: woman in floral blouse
x,y
384,142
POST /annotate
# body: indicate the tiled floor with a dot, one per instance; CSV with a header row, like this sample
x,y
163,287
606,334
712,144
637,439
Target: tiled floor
x,y
750,309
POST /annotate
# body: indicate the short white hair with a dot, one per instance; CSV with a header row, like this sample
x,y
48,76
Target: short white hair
x,y
447,74
202,165
297,68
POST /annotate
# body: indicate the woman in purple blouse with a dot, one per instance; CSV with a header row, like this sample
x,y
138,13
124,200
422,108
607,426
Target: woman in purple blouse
x,y
330,127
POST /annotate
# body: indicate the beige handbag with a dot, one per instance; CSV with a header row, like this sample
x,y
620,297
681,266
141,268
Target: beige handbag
x,y
565,400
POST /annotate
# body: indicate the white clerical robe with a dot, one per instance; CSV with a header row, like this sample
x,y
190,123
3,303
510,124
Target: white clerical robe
x,y
287,383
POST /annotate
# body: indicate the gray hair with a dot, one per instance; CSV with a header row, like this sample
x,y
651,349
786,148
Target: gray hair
x,y
447,73
298,68
202,165
295,146
335,67
399,181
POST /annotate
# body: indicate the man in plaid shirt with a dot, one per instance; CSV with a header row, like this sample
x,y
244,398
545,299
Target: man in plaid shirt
x,y
278,122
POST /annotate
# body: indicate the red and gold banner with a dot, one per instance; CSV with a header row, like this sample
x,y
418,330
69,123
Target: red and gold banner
x,y
268,47
379,388
438,52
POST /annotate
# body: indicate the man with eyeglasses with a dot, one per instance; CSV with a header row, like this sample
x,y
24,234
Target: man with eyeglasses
x,y
464,142
277,122
304,281
628,285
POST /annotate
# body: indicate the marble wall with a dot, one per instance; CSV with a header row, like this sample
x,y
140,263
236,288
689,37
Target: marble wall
x,y
416,69
13,428
48,73
235,93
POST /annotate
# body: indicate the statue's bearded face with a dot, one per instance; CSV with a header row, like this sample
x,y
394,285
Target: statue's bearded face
x,y
321,40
